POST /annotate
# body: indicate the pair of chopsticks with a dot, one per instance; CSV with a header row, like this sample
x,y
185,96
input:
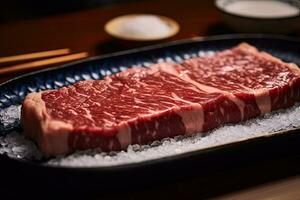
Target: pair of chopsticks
x,y
61,53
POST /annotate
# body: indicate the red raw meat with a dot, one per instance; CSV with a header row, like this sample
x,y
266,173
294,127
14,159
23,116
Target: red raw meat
x,y
140,105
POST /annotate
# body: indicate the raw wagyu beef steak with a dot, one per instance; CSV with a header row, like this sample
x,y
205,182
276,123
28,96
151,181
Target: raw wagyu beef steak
x,y
140,105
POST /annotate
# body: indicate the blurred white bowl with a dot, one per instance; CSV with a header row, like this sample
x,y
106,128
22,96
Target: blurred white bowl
x,y
258,16
134,24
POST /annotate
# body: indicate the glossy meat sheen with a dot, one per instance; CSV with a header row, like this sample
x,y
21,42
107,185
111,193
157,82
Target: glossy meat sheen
x,y
262,82
103,104
140,105
146,100
237,70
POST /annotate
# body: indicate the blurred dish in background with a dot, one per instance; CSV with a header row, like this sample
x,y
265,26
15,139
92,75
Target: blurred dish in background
x,y
260,16
141,27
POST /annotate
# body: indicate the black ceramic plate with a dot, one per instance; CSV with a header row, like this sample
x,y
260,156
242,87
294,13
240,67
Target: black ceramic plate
x,y
13,92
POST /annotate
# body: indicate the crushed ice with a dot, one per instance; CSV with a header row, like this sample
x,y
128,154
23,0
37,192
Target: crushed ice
x,y
9,120
17,146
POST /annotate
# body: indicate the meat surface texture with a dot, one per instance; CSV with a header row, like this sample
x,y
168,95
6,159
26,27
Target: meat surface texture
x,y
140,105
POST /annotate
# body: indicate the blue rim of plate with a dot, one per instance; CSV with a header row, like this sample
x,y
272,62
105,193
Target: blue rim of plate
x,y
152,47
143,50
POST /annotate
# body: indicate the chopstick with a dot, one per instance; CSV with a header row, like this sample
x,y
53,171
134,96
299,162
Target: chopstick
x,y
41,63
42,54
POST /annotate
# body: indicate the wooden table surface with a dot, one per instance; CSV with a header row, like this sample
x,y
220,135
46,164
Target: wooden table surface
x,y
83,31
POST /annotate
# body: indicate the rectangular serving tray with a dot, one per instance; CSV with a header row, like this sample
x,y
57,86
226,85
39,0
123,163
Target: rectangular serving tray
x,y
281,144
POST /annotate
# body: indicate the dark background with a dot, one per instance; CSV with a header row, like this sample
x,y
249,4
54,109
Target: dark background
x,y
36,25
11,10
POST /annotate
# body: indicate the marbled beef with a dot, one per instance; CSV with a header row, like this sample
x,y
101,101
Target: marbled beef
x,y
140,105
